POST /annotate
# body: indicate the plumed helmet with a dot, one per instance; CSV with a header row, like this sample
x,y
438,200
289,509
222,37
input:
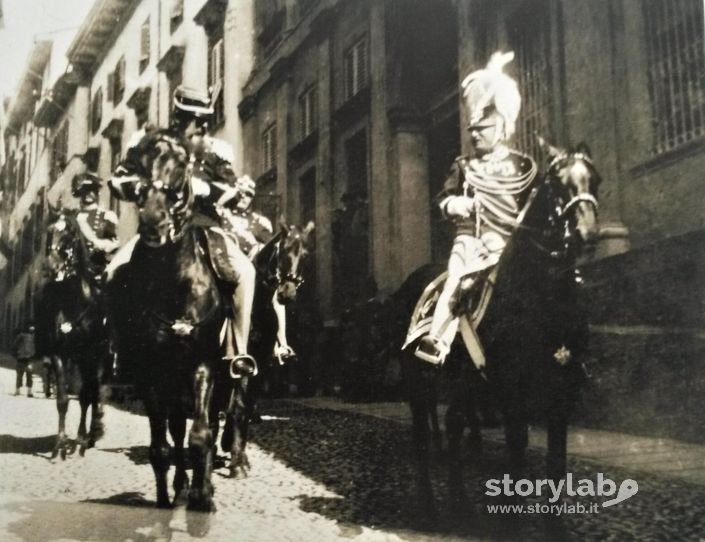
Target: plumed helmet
x,y
191,104
85,182
492,87
246,185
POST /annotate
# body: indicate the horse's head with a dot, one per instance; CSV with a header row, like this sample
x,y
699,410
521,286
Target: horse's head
x,y
292,246
61,243
573,182
164,195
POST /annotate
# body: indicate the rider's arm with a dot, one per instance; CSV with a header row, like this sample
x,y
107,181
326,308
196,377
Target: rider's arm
x,y
452,200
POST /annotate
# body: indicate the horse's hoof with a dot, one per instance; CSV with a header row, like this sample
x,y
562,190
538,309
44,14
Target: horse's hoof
x,y
239,473
198,524
200,501
164,504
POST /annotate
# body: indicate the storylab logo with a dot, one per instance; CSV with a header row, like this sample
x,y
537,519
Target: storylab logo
x,y
584,487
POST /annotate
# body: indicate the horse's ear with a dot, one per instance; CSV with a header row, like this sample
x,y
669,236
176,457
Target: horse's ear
x,y
547,148
583,148
308,228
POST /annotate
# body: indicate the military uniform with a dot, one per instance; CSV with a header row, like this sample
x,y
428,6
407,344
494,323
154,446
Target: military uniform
x,y
104,225
483,196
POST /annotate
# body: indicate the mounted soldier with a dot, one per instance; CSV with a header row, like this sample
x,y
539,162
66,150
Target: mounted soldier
x,y
97,226
483,196
209,171
252,231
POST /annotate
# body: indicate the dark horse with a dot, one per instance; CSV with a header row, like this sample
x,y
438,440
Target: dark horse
x,y
278,266
71,329
167,312
534,329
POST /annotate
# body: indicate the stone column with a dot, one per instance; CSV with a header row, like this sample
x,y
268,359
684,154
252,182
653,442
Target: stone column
x,y
239,57
411,166
383,204
590,34
324,189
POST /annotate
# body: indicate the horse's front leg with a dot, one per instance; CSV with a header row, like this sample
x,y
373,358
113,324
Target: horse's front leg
x,y
455,424
239,411
557,447
177,430
201,443
158,447
91,396
421,383
62,405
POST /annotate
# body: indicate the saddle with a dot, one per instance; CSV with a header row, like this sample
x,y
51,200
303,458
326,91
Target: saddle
x,y
470,302
218,256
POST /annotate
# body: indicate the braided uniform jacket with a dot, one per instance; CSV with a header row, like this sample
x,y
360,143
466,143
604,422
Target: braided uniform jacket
x,y
104,225
207,173
495,202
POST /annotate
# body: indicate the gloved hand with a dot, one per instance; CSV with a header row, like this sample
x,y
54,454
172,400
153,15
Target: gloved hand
x,y
460,206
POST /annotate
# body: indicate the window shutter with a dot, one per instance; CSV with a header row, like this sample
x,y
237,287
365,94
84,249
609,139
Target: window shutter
x,y
144,45
111,87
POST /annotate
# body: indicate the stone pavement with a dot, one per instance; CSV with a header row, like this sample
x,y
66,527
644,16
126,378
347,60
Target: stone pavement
x,y
109,494
665,457
322,471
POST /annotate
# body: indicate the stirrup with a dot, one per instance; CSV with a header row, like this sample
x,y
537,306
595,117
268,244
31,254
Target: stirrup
x,y
431,350
242,365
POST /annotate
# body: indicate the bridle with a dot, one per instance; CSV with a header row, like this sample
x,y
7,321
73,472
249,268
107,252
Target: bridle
x,y
559,214
179,200
273,276
551,174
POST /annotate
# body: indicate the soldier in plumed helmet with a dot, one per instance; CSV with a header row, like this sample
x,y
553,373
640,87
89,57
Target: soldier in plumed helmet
x,y
483,194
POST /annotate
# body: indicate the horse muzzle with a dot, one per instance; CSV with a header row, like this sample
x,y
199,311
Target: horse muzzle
x,y
155,235
286,292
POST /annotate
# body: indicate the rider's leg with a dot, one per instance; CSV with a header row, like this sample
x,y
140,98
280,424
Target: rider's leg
x,y
435,346
121,257
244,294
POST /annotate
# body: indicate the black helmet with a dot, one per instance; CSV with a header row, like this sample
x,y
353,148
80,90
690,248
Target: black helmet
x,y
85,182
191,104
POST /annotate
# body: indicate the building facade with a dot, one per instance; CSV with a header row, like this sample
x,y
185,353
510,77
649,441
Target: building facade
x,y
348,113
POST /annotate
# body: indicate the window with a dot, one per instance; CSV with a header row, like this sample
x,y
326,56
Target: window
x,y
144,45
355,69
269,148
118,78
216,71
529,34
356,161
176,16
59,151
115,153
308,112
676,71
175,79
97,110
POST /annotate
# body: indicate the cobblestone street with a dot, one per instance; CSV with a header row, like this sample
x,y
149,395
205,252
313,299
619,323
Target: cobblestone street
x,y
317,474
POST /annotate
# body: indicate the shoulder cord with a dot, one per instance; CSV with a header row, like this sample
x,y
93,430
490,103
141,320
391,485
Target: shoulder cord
x,y
485,186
